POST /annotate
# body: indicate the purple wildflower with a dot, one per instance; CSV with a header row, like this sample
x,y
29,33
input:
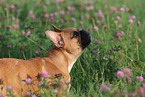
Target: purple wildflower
x,y
119,26
55,91
23,32
138,23
127,72
28,94
141,91
120,74
52,18
104,88
105,58
25,27
62,20
130,21
81,22
58,75
122,32
128,79
34,96
118,17
87,29
96,41
44,7
117,35
119,62
33,16
13,6
8,27
13,18
94,51
140,78
123,92
1,38
55,13
100,14
9,88
6,5
30,12
133,94
38,52
39,84
127,9
28,33
9,46
133,17
62,13
96,28
143,85
28,80
98,22
46,15
2,96
44,74
122,9
72,19
17,10
105,26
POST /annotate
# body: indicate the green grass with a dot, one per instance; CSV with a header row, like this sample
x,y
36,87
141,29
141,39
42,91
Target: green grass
x,y
90,70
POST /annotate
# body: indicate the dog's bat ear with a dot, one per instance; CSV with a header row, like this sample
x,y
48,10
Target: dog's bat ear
x,y
56,38
55,28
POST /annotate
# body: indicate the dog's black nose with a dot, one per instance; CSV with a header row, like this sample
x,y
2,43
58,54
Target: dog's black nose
x,y
85,38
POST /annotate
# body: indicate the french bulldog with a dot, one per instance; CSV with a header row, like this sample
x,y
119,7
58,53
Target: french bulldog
x,y
69,44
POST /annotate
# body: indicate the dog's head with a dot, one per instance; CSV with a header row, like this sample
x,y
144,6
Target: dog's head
x,y
72,40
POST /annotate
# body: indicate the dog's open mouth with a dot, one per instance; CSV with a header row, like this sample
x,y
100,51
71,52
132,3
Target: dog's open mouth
x,y
85,38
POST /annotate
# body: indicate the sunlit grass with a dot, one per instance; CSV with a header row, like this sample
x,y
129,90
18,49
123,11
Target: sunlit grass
x,y
117,29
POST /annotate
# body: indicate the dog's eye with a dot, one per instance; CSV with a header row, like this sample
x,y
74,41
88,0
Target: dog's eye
x,y
75,34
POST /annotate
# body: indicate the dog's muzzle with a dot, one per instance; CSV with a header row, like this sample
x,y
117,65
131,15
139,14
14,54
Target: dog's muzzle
x,y
85,38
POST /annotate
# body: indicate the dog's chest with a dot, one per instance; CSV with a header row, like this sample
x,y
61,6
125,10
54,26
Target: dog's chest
x,y
71,65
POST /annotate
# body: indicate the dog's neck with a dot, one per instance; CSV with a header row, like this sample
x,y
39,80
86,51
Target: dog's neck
x,y
62,58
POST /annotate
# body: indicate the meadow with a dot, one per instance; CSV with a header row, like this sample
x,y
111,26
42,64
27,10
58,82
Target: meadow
x,y
112,65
